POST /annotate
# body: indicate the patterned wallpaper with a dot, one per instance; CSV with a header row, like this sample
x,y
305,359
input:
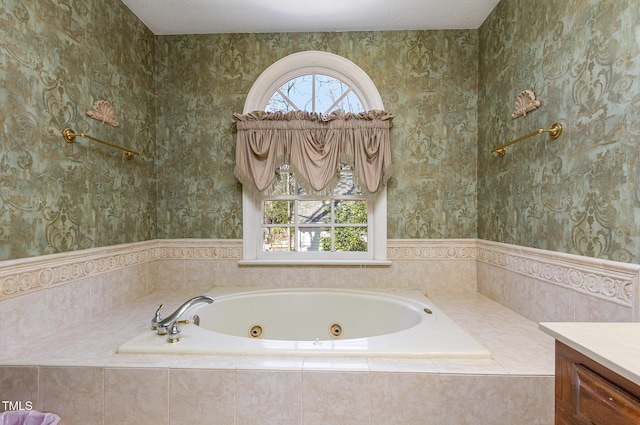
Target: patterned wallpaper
x,y
452,93
428,79
56,59
580,193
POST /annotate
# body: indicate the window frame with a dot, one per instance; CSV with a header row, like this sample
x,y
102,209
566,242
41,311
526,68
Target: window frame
x,y
287,68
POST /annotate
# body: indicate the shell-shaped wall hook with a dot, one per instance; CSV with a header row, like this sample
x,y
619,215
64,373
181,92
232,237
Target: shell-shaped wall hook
x,y
103,111
525,102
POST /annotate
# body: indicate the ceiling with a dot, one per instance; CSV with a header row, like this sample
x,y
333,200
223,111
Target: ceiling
x,y
241,16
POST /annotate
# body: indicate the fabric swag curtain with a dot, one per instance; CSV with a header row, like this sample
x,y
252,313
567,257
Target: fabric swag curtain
x,y
313,145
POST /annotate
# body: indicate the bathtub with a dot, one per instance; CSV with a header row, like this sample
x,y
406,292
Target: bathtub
x,y
315,322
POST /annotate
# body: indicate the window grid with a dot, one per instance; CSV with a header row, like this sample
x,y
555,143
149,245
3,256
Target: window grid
x,y
296,222
346,96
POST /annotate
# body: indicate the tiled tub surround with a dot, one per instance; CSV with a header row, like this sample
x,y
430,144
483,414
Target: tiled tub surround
x,y
64,315
82,380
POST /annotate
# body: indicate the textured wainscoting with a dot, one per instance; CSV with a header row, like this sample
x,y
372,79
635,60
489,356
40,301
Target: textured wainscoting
x,y
552,286
540,285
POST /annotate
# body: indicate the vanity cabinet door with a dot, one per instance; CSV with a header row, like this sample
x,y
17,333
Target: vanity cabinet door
x,y
598,401
588,393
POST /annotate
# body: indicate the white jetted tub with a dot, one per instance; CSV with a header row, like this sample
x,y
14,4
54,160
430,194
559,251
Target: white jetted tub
x,y
315,322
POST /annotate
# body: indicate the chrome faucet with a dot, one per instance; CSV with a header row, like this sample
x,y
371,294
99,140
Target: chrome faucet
x,y
162,326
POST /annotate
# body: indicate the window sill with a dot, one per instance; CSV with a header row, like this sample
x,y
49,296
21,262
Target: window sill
x,y
281,262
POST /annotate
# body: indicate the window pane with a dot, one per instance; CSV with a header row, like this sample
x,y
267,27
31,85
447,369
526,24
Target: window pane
x,y
299,91
278,103
349,103
285,184
351,212
351,239
279,239
328,91
314,212
347,185
278,212
311,238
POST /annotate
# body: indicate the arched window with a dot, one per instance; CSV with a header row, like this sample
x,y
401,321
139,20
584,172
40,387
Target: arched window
x,y
291,225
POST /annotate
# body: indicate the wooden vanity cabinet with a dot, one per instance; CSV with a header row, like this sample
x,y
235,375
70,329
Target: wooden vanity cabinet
x,y
587,393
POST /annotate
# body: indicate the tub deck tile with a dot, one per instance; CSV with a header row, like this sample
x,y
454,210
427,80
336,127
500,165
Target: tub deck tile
x,y
402,365
514,341
206,362
469,367
336,364
516,345
270,363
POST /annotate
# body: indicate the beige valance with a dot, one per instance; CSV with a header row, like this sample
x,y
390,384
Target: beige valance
x,y
313,145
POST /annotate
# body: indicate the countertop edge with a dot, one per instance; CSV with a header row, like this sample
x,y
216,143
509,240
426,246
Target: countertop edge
x,y
572,334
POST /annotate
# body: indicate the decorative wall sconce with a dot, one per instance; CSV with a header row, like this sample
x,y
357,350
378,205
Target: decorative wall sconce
x,y
103,111
525,102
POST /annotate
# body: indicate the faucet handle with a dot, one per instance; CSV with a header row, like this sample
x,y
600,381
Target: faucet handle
x,y
173,333
157,318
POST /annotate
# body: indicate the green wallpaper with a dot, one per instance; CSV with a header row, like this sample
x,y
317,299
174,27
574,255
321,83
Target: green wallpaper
x,y
580,193
56,59
428,79
452,93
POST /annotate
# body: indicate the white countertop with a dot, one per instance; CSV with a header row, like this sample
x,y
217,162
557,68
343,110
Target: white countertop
x,y
614,345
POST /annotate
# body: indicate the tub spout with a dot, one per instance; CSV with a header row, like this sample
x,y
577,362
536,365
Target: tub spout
x,y
177,315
